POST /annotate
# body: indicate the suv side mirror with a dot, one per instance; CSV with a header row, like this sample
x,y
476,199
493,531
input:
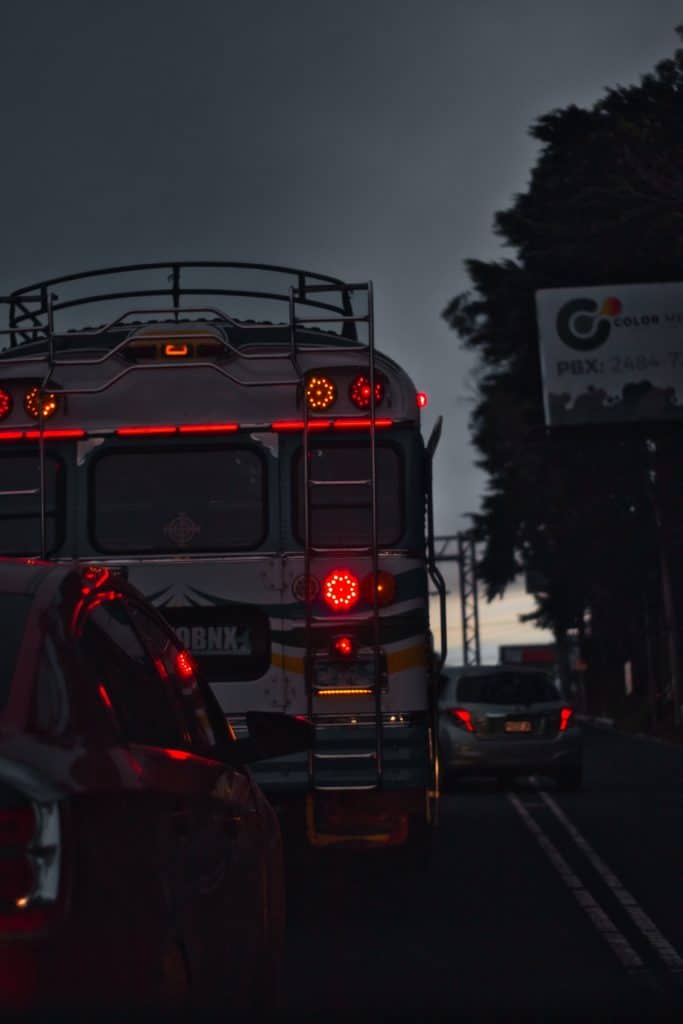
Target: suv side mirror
x,y
273,734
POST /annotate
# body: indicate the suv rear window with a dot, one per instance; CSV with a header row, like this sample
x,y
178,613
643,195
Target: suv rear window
x,y
341,511
178,500
507,688
14,610
20,504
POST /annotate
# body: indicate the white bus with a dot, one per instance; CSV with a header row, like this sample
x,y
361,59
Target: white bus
x,y
227,435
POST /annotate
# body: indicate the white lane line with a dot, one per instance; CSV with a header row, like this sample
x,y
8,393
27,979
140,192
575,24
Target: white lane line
x,y
609,931
643,922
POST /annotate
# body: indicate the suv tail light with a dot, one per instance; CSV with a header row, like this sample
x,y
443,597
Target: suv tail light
x,y
30,863
462,718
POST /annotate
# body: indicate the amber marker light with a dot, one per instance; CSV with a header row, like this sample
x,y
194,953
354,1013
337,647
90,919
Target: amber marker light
x,y
385,588
176,351
362,691
321,393
37,405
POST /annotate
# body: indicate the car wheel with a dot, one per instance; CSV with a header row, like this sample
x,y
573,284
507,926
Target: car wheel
x,y
569,778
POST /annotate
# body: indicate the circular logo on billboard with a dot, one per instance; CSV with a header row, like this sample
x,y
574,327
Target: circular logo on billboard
x,y
583,326
182,529
301,592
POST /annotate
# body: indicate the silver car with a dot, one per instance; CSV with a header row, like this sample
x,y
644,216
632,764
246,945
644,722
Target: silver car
x,y
505,720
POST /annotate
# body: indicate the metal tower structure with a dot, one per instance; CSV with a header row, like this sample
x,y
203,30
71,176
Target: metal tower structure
x,y
460,548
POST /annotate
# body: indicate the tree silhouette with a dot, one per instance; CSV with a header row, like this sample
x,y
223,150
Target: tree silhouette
x,y
604,205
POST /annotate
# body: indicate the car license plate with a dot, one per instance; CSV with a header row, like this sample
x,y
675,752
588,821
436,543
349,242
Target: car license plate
x,y
518,727
332,674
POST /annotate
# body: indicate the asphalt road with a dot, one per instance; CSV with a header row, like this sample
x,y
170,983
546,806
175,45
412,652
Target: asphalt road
x,y
536,903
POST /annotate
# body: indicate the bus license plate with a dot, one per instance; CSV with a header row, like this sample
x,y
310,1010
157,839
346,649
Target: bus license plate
x,y
336,676
518,727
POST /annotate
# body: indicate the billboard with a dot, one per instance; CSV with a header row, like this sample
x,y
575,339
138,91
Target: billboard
x,y
611,354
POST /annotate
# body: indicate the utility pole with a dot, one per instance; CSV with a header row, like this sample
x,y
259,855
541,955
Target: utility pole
x,y
465,555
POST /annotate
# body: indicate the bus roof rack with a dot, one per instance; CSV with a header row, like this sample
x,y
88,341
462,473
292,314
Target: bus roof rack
x,y
176,288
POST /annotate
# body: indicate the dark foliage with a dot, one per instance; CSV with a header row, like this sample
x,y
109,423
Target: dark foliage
x,y
604,205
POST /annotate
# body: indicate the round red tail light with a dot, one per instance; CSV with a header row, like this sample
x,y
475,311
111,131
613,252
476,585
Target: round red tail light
x,y
343,647
5,403
360,392
341,590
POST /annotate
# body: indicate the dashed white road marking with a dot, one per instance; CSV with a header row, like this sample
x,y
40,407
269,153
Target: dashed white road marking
x,y
668,954
619,944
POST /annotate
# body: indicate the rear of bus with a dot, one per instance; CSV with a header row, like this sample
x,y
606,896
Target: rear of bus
x,y
194,485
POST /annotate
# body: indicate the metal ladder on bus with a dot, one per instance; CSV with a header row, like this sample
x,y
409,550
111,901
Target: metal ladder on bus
x,y
349,757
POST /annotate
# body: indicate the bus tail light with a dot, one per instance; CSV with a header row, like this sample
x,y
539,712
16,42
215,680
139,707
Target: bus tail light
x,y
385,588
38,403
5,403
341,590
321,392
343,647
360,392
462,718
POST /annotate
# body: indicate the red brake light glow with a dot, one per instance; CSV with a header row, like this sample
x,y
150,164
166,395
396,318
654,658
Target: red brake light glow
x,y
360,392
341,590
354,424
422,399
184,665
321,393
5,403
565,716
462,718
343,647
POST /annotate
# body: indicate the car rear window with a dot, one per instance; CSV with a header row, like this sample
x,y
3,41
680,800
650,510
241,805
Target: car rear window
x,y
189,500
506,688
14,610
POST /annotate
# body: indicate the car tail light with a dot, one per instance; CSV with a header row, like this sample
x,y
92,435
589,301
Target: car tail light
x,y
385,588
321,393
5,403
30,855
360,392
185,665
341,590
565,718
37,403
462,718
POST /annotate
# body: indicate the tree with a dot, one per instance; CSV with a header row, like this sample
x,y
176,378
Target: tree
x,y
604,205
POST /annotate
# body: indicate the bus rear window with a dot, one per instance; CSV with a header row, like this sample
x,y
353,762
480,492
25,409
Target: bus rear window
x,y
178,500
20,532
341,510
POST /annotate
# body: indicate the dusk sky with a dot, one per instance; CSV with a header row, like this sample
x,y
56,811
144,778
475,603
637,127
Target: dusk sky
x,y
368,140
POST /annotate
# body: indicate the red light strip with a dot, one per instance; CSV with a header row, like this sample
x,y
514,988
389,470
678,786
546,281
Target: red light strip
x,y
299,425
35,435
341,424
134,431
209,428
360,424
